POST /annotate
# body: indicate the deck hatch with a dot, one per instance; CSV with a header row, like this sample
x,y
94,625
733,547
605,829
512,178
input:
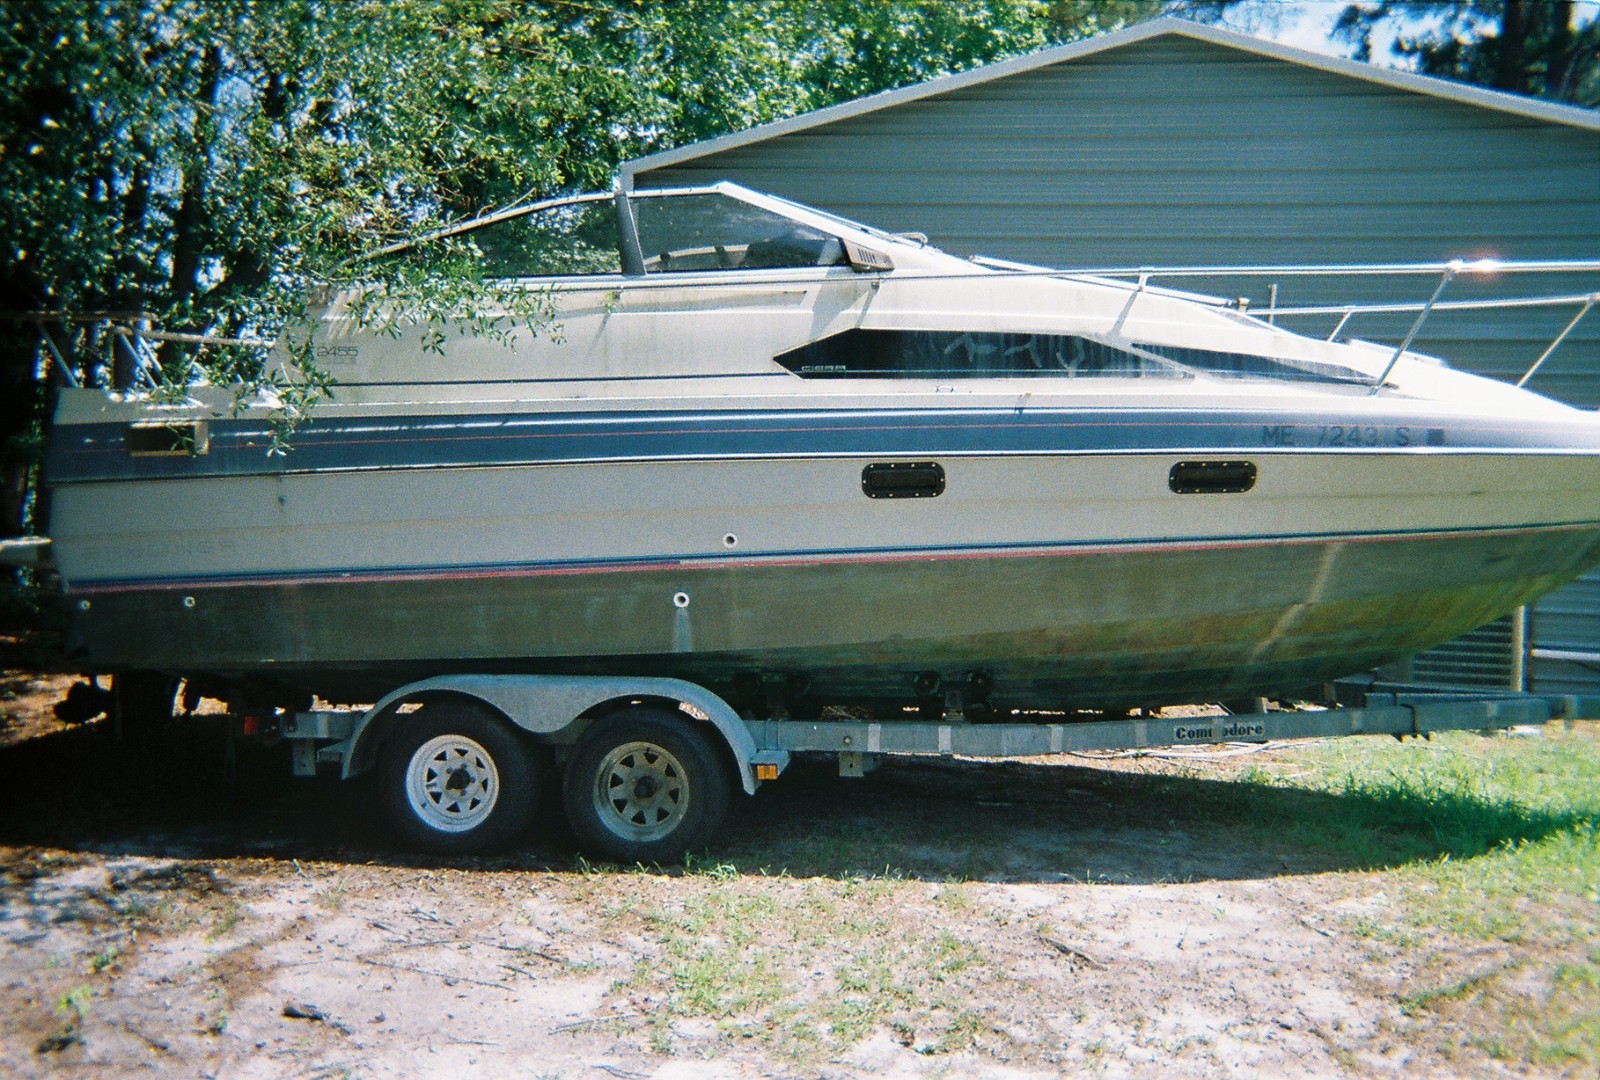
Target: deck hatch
x,y
1212,477
903,480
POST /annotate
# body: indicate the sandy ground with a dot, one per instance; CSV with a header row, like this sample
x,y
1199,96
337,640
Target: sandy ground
x,y
169,911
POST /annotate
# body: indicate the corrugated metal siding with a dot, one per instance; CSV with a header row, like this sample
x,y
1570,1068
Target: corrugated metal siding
x,y
1568,619
1482,659
1177,151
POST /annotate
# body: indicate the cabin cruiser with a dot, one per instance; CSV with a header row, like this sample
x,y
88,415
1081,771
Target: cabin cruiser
x,y
804,462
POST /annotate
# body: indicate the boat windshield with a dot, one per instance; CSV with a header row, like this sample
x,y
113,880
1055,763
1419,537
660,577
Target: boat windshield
x,y
713,231
567,238
678,232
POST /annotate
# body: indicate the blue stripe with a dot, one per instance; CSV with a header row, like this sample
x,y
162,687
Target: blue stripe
x,y
97,452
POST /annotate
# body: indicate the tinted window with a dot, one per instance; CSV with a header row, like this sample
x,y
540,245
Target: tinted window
x,y
965,354
1246,366
951,354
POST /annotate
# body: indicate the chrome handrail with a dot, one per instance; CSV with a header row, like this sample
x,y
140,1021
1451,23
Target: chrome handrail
x,y
134,331
1447,272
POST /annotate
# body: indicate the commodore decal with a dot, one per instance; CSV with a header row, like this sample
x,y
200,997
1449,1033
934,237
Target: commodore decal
x,y
1232,730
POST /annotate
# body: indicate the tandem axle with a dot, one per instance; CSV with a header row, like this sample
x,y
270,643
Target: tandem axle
x,y
646,766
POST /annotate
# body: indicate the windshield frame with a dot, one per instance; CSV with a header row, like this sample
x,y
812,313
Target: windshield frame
x,y
798,213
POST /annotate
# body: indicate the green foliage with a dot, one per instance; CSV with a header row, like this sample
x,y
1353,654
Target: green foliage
x,y
211,164
205,160
1547,48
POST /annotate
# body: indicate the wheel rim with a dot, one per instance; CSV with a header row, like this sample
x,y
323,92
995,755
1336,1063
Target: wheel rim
x,y
641,791
452,783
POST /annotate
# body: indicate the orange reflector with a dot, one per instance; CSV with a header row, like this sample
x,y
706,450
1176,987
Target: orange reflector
x,y
766,772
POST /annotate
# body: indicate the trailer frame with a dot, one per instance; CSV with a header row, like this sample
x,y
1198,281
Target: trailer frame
x,y
556,709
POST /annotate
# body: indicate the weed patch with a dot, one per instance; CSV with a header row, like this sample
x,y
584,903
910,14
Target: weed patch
x,y
1488,840
808,967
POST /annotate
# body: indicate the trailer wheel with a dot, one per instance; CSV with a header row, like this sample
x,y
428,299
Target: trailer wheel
x,y
454,778
645,786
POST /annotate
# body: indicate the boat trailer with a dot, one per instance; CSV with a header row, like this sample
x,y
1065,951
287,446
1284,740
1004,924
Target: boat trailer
x,y
647,765
329,739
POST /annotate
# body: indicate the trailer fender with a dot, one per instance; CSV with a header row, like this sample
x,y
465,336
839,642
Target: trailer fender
x,y
550,705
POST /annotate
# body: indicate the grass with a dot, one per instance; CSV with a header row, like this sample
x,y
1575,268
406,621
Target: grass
x,y
226,918
807,967
104,959
1479,828
813,940
73,1007
1488,842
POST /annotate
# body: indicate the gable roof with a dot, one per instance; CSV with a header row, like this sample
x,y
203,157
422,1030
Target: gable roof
x,y
1531,108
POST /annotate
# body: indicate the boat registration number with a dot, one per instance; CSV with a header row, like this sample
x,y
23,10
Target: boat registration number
x,y
1349,435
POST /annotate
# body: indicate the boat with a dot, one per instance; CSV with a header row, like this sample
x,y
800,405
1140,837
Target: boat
x,y
804,462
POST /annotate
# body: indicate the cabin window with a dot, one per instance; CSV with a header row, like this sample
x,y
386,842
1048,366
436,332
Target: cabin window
x,y
939,354
957,354
168,438
683,233
1245,366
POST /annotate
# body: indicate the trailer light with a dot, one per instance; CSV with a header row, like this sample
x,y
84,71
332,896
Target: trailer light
x,y
766,771
251,725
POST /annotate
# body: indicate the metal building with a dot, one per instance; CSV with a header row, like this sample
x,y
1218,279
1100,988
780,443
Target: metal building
x,y
1174,144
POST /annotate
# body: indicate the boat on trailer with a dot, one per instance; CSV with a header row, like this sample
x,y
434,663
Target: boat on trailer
x,y
803,462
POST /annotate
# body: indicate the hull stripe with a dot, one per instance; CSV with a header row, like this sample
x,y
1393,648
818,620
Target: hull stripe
x,y
84,453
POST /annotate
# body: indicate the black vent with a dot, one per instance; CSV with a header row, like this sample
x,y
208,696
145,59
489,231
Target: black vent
x,y
903,480
1212,477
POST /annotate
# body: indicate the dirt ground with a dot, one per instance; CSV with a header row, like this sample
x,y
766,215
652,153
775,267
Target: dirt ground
x,y
179,910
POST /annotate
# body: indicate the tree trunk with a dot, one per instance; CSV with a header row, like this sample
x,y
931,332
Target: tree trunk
x,y
1559,52
188,225
1511,68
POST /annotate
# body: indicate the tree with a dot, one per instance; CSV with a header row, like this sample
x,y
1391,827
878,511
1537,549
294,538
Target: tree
x,y
1535,47
206,162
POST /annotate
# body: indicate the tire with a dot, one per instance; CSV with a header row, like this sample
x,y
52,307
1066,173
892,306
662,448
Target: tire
x,y
457,779
645,786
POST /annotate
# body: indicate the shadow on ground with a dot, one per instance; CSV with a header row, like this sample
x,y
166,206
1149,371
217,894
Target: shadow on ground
x,y
185,795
